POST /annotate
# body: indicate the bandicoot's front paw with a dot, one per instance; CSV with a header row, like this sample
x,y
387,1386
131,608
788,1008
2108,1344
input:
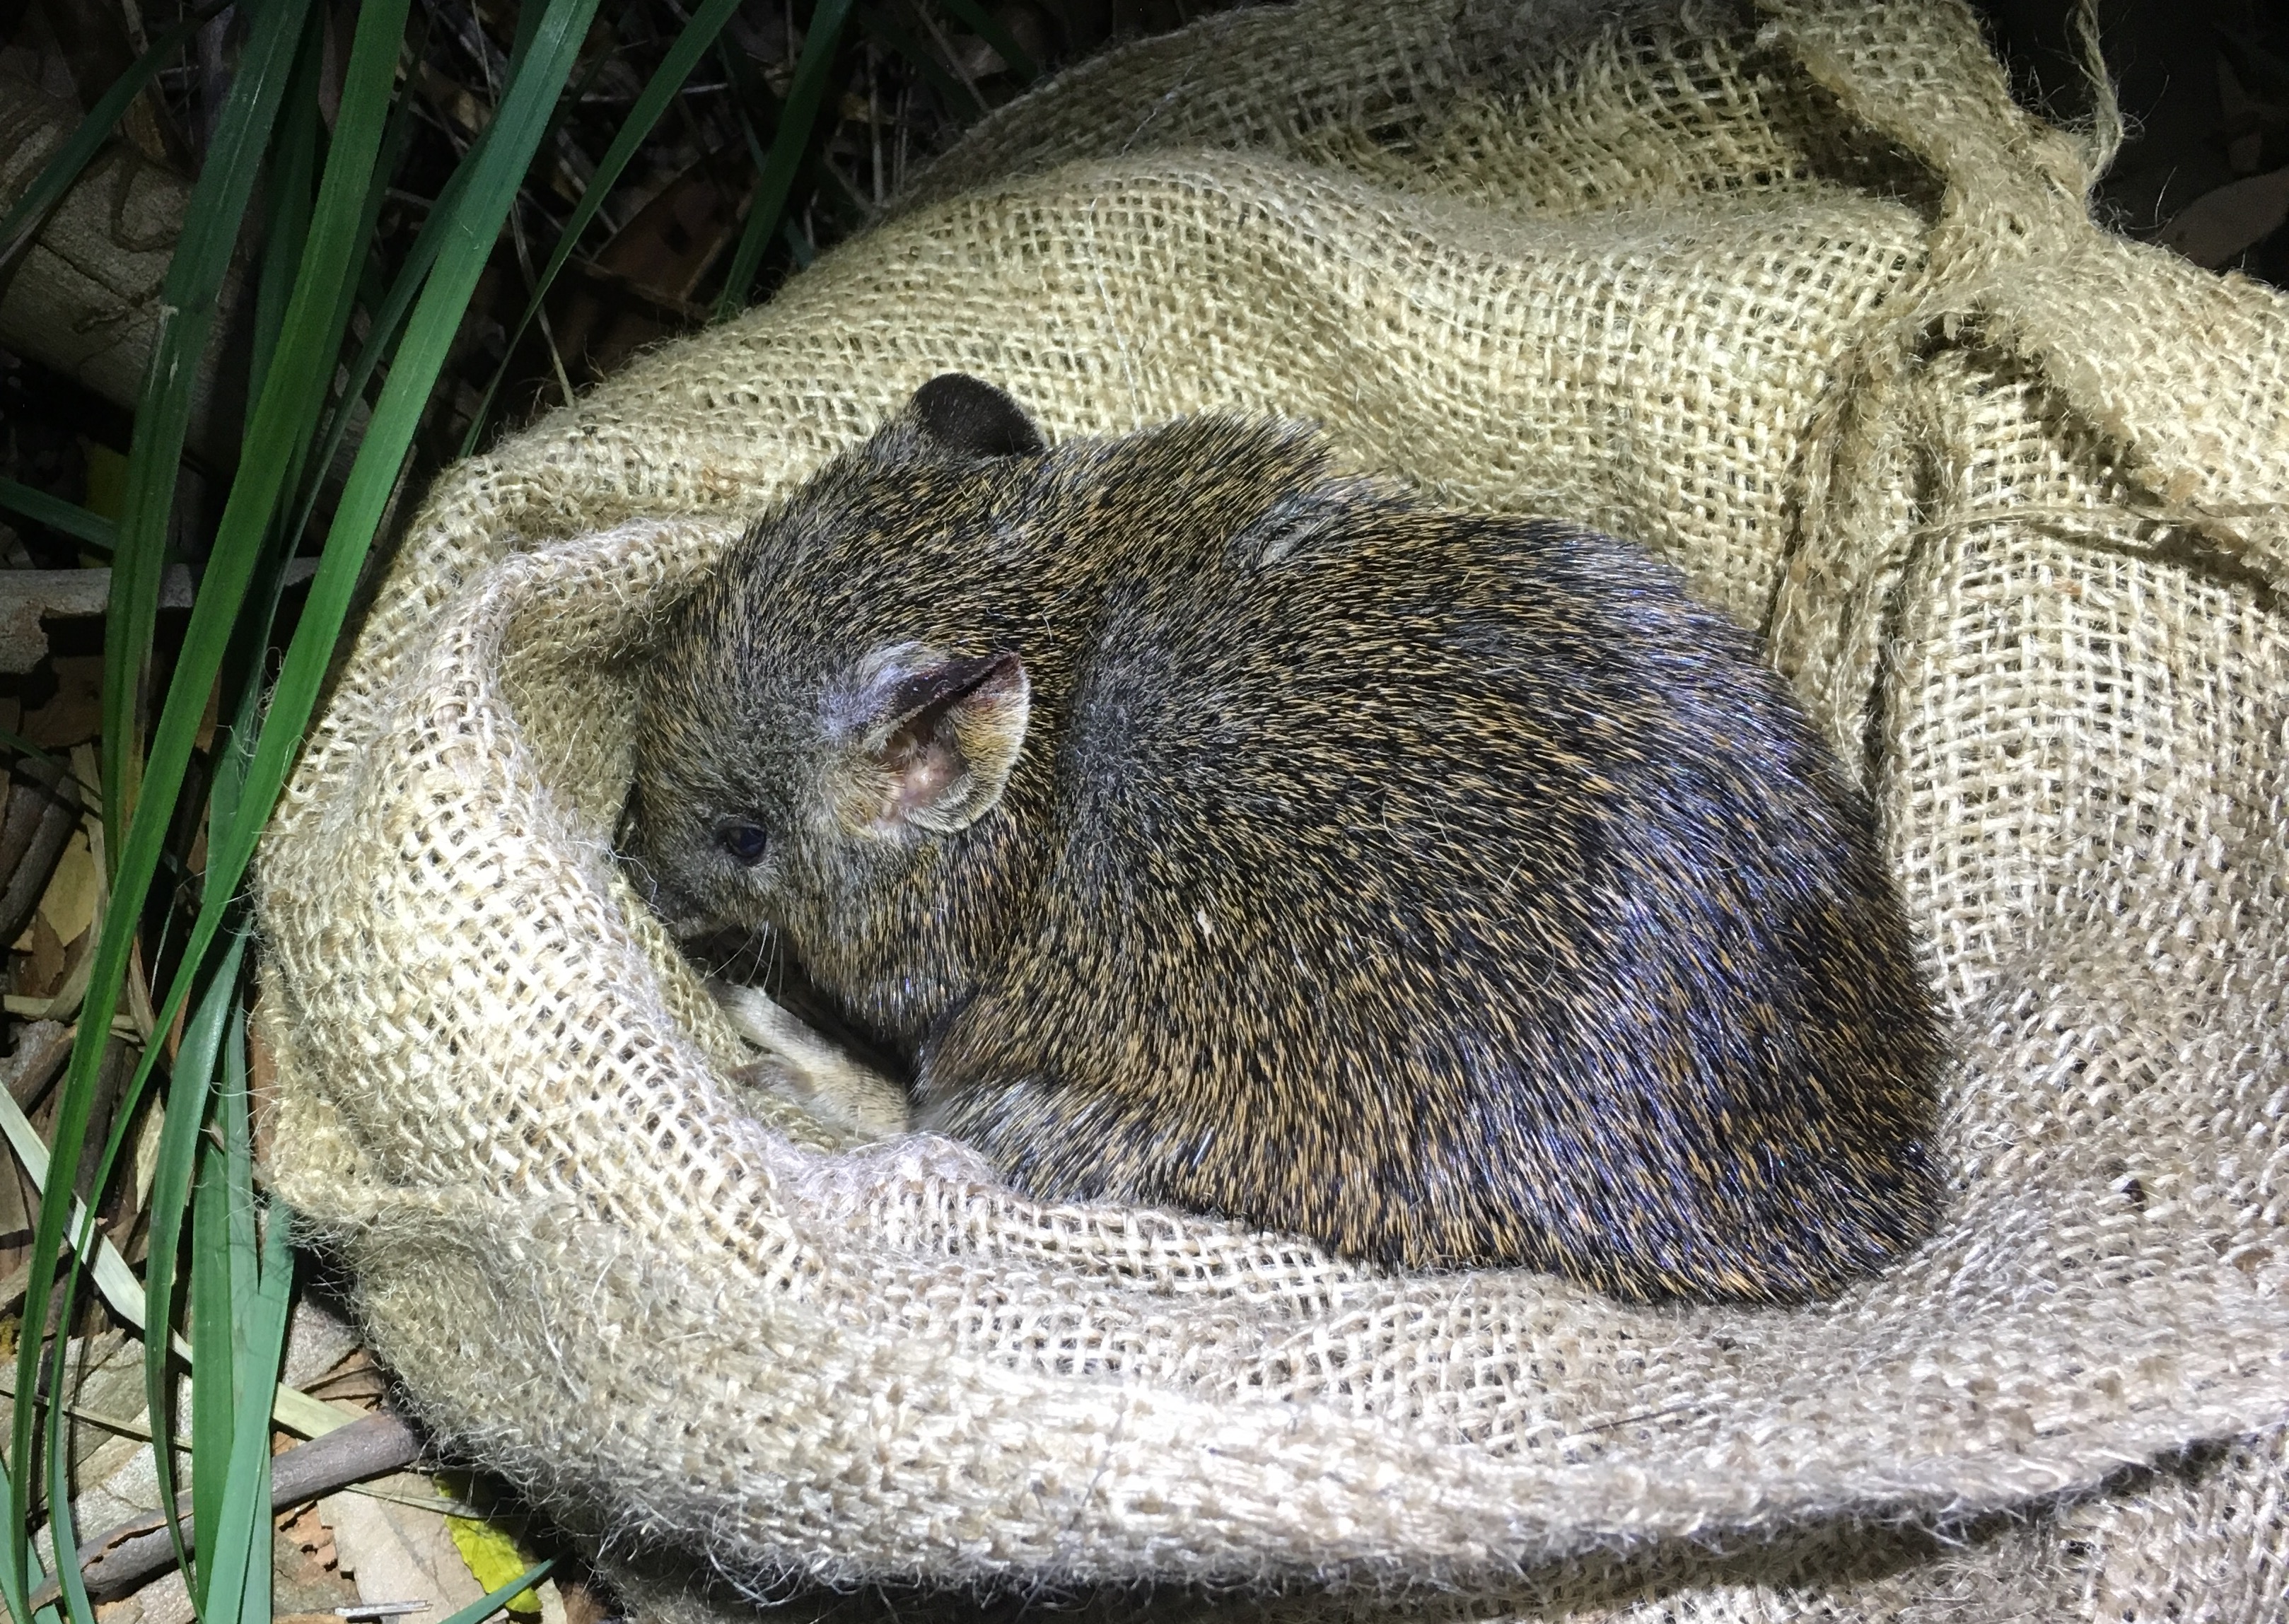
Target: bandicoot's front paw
x,y
798,1064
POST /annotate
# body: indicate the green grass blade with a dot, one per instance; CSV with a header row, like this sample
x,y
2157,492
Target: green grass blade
x,y
121,1290
188,1090
291,175
117,1283
951,92
186,315
246,654
789,143
493,1601
310,331
74,521
246,657
396,138
211,1395
674,68
749,91
529,18
22,220
289,403
236,1588
23,746
233,1116
32,1153
982,24
365,95
69,1580
493,172
388,322
474,223
147,827
34,1574
490,176
246,1502
189,303
498,167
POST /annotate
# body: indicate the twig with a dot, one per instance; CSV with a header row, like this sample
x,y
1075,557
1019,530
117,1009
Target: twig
x,y
121,1559
41,1050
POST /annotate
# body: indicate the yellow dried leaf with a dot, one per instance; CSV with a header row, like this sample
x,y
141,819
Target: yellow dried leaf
x,y
495,1557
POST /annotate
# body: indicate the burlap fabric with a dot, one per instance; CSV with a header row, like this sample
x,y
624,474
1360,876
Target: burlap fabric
x,y
1799,298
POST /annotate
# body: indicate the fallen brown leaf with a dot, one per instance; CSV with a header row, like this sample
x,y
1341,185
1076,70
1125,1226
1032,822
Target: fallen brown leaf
x,y
399,1552
2219,225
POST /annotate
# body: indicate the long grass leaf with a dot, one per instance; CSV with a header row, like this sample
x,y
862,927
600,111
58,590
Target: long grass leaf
x,y
112,1277
22,220
387,324
493,1601
119,1287
475,225
789,143
189,1087
233,1117
246,656
237,1588
286,205
291,391
495,171
69,1580
138,853
396,136
188,298
187,314
92,529
365,97
982,23
121,1290
231,844
306,375
225,1288
289,402
421,355
674,68
23,746
247,651
191,288
211,1395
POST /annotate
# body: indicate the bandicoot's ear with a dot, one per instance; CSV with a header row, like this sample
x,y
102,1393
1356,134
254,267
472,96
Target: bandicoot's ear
x,y
945,739
970,418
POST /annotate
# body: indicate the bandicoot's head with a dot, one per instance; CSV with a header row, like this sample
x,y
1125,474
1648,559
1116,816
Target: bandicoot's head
x,y
827,734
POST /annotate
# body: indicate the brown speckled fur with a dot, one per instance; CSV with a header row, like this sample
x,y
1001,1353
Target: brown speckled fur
x,y
1452,889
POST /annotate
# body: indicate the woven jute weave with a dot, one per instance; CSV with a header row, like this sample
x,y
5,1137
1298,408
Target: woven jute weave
x,y
1798,297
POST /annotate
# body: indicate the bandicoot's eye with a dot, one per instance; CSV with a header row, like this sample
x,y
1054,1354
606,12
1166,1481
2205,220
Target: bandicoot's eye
x,y
743,841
